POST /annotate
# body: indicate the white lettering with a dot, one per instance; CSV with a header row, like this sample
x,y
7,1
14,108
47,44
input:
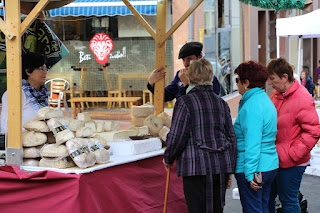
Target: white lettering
x,y
119,54
83,57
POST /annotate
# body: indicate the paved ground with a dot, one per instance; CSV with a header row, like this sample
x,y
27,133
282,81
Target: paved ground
x,y
310,188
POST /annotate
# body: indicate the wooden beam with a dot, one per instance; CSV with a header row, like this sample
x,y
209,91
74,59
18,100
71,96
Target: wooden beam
x,y
160,54
14,76
194,6
6,30
140,18
33,15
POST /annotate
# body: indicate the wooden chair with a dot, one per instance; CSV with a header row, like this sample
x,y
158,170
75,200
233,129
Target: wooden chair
x,y
111,91
57,88
74,92
146,92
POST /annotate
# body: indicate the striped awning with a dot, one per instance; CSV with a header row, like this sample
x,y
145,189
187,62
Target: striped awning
x,y
105,8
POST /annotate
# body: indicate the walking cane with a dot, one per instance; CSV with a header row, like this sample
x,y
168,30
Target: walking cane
x,y
166,193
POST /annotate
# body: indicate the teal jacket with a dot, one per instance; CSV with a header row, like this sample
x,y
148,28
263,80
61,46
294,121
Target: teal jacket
x,y
256,129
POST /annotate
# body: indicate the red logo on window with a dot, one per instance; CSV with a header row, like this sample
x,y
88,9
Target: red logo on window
x,y
101,45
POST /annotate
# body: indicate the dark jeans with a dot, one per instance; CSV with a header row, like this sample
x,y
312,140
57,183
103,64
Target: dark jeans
x,y
287,185
195,193
252,201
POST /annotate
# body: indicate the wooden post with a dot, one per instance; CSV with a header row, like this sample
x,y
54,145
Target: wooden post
x,y
160,54
14,76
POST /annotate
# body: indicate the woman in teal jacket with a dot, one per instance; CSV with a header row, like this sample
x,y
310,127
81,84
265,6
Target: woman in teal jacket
x,y
256,129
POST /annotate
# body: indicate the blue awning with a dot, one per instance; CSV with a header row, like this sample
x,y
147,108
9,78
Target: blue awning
x,y
105,8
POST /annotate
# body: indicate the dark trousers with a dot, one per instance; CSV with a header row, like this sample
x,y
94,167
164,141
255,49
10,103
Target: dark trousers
x,y
287,185
252,201
195,193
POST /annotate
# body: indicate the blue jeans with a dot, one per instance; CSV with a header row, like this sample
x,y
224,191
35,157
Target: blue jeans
x,y
287,185
251,200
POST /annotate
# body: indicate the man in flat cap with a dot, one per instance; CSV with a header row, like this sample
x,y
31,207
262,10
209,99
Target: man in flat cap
x,y
188,52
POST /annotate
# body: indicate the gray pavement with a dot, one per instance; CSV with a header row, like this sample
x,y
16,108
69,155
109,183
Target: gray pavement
x,y
310,188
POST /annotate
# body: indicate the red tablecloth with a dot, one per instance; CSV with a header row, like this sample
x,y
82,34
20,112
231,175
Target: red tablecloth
x,y
128,188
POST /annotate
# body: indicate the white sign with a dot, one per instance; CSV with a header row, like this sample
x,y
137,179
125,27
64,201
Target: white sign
x,y
119,54
83,57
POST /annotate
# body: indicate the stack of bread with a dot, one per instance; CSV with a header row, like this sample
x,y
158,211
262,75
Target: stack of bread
x,y
144,119
33,140
63,142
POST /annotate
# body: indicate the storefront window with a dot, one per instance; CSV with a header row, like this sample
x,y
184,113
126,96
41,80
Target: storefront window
x,y
215,23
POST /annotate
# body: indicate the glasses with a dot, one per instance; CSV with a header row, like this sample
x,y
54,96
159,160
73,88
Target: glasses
x,y
44,69
237,80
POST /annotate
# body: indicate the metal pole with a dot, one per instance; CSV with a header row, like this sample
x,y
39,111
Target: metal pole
x,y
191,23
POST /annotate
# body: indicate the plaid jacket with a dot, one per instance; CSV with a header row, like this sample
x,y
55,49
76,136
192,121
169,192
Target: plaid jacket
x,y
201,136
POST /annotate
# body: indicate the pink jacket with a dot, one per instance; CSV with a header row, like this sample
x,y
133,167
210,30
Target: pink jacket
x,y
298,125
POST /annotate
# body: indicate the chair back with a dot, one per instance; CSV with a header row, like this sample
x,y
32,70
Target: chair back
x,y
56,86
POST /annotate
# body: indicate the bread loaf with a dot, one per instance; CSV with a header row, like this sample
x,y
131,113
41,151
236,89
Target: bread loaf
x,y
75,125
102,155
84,132
142,111
59,163
80,154
154,124
100,126
101,140
163,133
55,126
143,130
32,152
120,135
111,126
138,121
64,136
49,112
54,150
30,139
30,162
91,125
36,125
84,116
165,118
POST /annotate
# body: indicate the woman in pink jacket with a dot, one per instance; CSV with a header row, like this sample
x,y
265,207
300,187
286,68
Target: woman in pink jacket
x,y
298,132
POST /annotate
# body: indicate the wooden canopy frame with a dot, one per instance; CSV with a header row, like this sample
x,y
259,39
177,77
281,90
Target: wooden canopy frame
x,y
13,29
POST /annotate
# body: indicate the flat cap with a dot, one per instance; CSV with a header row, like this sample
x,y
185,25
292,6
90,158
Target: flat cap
x,y
190,48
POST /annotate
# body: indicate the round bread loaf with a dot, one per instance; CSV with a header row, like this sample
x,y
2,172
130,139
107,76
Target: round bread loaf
x,y
36,125
32,152
163,133
30,162
54,150
138,121
142,111
49,112
75,125
165,118
59,163
102,155
102,141
84,132
64,136
80,154
33,138
154,124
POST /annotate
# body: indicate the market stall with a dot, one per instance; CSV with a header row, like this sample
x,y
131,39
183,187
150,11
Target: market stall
x,y
303,26
132,187
123,184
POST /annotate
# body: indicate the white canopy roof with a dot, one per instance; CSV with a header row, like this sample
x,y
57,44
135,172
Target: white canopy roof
x,y
307,26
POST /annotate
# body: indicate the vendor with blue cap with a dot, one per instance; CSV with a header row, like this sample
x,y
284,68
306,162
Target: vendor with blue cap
x,y
189,52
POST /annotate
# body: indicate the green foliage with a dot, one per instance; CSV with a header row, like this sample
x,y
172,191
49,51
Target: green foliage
x,y
277,4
